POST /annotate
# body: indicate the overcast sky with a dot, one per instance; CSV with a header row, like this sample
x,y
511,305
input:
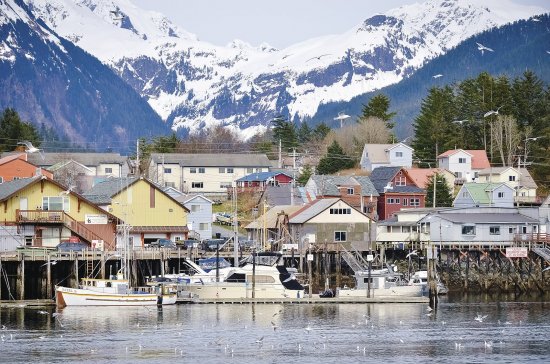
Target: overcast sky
x,y
279,23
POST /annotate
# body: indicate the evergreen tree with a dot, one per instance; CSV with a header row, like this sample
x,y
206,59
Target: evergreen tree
x,y
335,160
378,107
443,195
14,130
434,127
304,133
285,131
307,171
529,99
321,131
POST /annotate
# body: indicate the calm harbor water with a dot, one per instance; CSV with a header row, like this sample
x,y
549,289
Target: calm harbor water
x,y
515,332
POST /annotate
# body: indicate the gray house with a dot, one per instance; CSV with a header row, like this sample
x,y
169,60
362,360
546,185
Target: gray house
x,y
199,218
480,226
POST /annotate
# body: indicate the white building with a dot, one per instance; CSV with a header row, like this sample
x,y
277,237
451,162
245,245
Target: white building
x,y
465,164
386,155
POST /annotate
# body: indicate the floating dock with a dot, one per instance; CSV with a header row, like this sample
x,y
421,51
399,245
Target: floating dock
x,y
307,300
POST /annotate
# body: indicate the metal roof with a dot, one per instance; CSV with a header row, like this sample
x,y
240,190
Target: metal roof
x,y
313,209
328,185
102,192
487,218
9,188
381,176
212,160
87,159
260,176
280,195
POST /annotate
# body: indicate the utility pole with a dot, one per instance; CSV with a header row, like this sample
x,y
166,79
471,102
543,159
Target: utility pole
x,y
137,173
293,176
310,273
280,164
235,230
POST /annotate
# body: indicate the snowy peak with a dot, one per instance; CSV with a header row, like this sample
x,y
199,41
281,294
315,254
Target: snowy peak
x,y
242,45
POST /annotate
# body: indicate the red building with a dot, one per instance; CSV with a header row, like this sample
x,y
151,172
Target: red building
x,y
397,190
258,181
16,166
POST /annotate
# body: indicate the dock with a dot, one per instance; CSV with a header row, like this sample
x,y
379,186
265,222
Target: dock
x,y
307,300
27,303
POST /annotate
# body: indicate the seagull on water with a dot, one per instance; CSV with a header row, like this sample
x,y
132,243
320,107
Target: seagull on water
x,y
483,48
308,329
273,326
480,317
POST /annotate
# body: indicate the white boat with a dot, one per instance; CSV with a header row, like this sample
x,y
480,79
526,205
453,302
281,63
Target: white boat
x,y
420,278
113,292
384,283
266,279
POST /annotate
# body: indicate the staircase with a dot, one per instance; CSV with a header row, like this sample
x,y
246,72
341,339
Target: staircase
x,y
353,258
80,229
543,252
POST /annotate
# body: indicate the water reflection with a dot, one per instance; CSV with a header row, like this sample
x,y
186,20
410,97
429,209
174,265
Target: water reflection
x,y
404,333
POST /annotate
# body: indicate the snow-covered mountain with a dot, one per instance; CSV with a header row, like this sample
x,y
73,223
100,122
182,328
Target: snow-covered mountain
x,y
54,84
191,83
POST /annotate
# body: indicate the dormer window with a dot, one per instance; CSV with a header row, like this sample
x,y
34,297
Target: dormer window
x,y
351,191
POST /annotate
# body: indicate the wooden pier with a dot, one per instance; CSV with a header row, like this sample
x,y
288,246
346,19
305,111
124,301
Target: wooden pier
x,y
306,300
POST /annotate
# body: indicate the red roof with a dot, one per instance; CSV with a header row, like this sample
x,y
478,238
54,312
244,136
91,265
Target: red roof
x,y
420,175
13,157
479,157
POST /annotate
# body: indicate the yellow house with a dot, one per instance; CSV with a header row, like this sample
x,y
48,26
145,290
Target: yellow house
x,y
150,212
38,211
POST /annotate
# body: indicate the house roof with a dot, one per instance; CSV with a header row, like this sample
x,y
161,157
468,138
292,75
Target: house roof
x,y
87,159
381,176
478,191
312,209
328,185
525,178
377,152
452,152
12,157
487,218
260,176
192,196
280,195
7,189
271,215
479,157
66,163
212,160
420,176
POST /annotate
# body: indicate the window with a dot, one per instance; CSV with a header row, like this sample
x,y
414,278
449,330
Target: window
x,y
462,160
230,170
405,202
512,230
464,194
167,170
193,170
351,191
340,211
195,208
405,229
400,181
524,229
56,203
340,236
397,201
169,184
1,179
258,170
225,185
500,195
250,170
458,174
494,230
415,202
511,178
196,185
201,170
108,170
468,230
221,170
204,226
399,154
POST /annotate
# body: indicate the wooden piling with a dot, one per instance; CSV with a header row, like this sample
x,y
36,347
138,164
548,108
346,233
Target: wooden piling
x,y
49,277
102,266
21,279
467,270
75,268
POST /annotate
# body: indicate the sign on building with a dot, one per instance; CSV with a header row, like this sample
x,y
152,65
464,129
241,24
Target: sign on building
x,y
96,219
516,252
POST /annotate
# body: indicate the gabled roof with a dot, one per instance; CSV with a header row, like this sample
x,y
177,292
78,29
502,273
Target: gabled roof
x,y
87,159
280,195
453,152
328,185
212,160
479,191
193,196
261,176
421,176
479,157
377,152
487,218
12,157
67,163
313,209
7,189
381,176
525,178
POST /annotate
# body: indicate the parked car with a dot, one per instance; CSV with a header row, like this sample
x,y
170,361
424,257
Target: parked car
x,y
211,244
68,246
187,244
163,243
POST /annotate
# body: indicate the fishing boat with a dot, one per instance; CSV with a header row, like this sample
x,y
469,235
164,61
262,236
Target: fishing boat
x,y
117,290
383,283
113,292
259,276
420,278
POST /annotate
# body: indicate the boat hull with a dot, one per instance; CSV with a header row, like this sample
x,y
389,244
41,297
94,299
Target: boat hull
x,y
397,291
84,297
225,290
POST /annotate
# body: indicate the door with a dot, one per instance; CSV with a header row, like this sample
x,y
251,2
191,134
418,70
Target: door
x,y
23,205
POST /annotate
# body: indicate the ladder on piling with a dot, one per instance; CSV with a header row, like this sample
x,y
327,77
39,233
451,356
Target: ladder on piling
x,y
90,267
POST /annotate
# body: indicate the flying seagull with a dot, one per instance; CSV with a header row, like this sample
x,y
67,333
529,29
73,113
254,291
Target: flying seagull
x,y
438,75
482,48
492,112
414,252
29,148
292,277
318,57
460,121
